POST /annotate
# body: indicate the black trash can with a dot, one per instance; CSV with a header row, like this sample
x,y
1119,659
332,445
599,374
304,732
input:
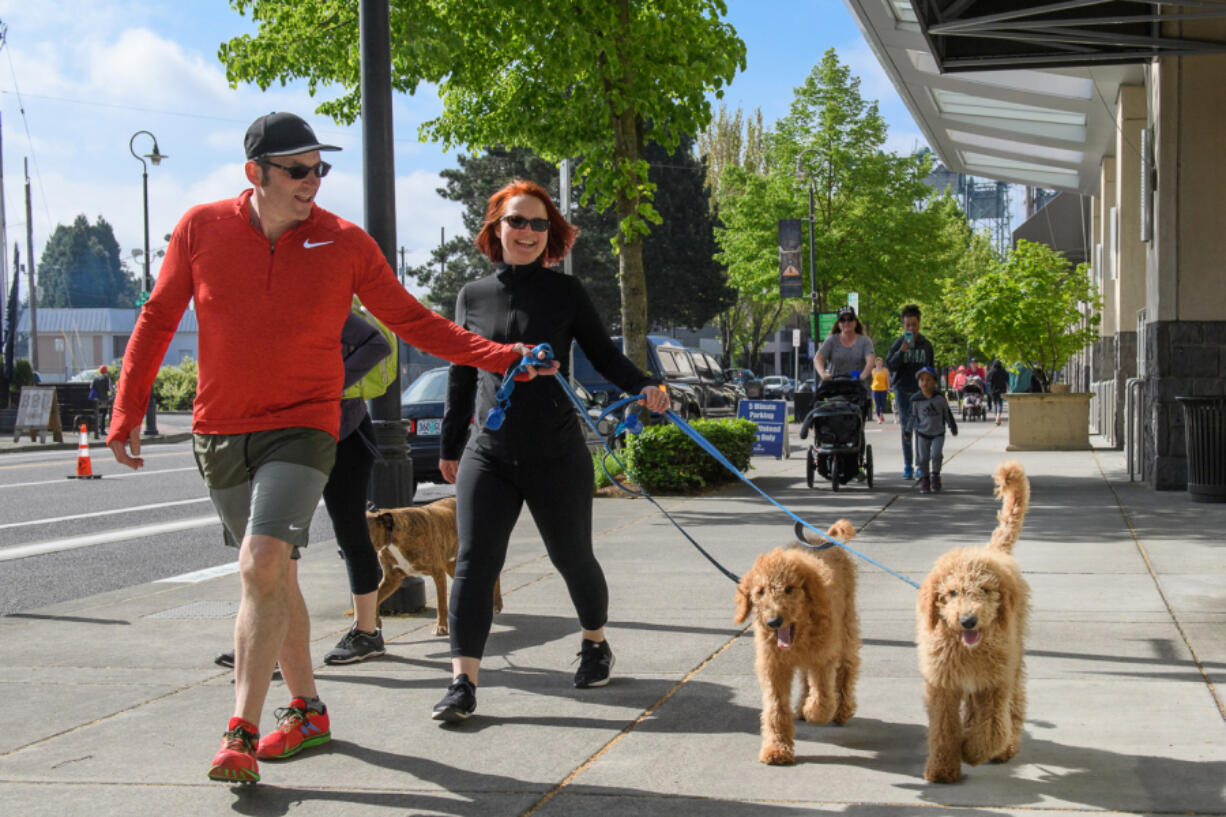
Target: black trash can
x,y
1205,433
802,402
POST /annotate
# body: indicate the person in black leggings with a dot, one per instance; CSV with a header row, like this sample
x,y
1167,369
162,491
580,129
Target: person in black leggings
x,y
538,455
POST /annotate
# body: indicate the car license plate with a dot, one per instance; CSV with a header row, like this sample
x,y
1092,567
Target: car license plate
x,y
429,428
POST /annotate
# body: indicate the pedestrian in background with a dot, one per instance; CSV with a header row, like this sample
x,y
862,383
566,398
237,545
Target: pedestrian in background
x,y
909,353
932,415
881,387
998,384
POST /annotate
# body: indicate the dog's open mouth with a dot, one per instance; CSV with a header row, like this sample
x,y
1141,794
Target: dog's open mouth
x,y
970,637
783,637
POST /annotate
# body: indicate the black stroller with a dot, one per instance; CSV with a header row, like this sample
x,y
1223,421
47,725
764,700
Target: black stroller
x,y
838,452
973,397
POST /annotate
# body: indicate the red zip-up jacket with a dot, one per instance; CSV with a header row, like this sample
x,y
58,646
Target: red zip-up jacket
x,y
270,319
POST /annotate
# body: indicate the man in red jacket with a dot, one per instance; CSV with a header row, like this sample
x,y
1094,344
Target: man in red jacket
x,y
272,276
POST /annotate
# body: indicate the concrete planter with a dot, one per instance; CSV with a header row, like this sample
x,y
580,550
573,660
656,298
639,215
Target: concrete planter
x,y
1049,422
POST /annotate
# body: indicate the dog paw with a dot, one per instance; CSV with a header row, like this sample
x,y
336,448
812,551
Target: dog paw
x,y
814,712
1006,756
774,754
938,774
976,751
439,629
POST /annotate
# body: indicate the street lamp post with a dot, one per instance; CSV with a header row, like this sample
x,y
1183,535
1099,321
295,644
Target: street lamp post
x,y
808,177
151,422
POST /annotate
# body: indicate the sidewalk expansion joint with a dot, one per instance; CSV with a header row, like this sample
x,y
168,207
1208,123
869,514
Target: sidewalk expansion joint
x,y
630,727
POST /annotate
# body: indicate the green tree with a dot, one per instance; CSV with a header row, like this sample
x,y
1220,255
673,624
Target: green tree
x,y
565,79
871,235
1034,309
81,267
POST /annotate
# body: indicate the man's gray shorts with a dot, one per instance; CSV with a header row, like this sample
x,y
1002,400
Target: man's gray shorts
x,y
266,483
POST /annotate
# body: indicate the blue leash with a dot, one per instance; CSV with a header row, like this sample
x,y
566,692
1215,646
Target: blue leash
x,y
633,424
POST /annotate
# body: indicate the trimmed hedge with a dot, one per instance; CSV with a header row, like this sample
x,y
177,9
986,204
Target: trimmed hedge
x,y
664,459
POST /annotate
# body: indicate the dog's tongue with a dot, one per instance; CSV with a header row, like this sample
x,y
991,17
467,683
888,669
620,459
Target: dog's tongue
x,y
970,637
783,637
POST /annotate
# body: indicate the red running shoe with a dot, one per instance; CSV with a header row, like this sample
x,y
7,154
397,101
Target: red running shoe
x,y
298,728
235,761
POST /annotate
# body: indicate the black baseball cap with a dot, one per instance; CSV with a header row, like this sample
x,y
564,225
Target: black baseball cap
x,y
847,310
281,134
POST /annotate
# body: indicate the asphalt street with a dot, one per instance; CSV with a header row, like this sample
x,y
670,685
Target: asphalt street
x,y
63,539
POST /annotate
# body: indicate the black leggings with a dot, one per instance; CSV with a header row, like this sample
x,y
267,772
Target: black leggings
x,y
489,496
345,499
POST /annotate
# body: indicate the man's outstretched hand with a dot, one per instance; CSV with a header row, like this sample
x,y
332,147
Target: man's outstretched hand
x,y
120,449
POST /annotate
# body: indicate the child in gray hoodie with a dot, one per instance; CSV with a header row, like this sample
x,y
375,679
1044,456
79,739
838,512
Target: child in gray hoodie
x,y
932,414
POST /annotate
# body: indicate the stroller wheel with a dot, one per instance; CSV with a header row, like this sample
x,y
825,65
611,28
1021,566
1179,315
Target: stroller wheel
x,y
810,467
868,465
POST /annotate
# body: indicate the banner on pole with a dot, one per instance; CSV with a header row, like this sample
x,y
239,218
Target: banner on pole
x,y
791,284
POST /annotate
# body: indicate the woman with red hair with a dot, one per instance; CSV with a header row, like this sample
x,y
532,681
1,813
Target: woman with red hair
x,y
537,455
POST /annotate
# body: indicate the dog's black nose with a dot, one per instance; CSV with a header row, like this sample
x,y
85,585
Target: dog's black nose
x,y
969,622
775,623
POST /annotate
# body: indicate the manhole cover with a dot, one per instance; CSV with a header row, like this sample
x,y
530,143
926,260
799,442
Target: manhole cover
x,y
200,609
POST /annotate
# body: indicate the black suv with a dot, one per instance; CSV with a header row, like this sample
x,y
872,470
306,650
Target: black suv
x,y
702,373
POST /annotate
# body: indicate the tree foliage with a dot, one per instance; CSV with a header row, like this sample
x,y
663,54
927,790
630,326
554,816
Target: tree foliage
x,y
81,267
564,78
1034,309
874,233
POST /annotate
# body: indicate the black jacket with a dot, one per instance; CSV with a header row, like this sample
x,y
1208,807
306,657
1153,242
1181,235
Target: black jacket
x,y
904,365
531,305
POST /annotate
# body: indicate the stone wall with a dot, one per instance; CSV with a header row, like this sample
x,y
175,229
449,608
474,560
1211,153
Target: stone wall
x,y
1182,357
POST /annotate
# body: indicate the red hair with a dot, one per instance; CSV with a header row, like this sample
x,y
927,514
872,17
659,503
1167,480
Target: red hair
x,y
562,233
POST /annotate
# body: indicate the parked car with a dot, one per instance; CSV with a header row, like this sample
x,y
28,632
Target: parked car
x,y
748,382
701,373
778,387
684,398
422,405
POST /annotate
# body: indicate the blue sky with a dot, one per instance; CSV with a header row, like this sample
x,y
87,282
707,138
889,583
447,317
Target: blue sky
x,y
90,73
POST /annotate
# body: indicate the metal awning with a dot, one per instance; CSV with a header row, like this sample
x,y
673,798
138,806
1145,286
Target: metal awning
x,y
974,35
1041,109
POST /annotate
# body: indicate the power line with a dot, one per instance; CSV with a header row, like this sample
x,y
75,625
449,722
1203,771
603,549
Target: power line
x,y
4,30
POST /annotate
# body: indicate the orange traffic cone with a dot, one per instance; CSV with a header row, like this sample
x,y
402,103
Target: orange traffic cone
x,y
85,469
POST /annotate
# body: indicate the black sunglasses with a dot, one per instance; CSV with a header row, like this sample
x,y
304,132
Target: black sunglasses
x,y
538,225
844,318
299,172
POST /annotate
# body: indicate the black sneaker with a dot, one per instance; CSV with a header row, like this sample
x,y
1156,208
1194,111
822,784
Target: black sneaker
x,y
459,702
595,663
226,659
356,646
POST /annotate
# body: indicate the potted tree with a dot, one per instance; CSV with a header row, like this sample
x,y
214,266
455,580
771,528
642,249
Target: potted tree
x,y
1036,309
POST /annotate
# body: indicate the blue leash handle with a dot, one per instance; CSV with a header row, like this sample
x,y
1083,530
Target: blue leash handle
x,y
498,413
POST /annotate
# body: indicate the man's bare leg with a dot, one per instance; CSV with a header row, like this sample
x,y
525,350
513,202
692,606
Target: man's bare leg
x,y
263,620
295,654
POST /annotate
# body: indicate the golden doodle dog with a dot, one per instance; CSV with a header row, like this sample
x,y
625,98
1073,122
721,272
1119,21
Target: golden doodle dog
x,y
419,540
970,623
804,605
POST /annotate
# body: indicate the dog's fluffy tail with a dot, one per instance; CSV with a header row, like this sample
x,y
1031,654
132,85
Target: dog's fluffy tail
x,y
1013,491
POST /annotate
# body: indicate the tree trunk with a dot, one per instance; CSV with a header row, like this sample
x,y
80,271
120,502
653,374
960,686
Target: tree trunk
x,y
627,148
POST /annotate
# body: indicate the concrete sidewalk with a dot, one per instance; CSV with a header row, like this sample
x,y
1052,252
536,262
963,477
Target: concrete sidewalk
x,y
112,704
172,426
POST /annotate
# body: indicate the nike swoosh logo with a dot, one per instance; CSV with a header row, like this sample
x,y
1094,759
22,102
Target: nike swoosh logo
x,y
308,244
296,527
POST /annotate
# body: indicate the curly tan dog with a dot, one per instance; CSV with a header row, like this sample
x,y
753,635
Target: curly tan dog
x,y
804,604
419,540
970,623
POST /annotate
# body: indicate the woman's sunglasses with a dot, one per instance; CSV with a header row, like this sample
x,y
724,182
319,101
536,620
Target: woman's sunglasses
x,y
538,225
299,172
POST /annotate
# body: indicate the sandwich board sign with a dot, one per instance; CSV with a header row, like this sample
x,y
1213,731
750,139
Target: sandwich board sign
x,y
38,411
771,416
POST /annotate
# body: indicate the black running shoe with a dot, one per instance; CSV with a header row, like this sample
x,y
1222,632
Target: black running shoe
x,y
226,659
355,646
459,702
595,664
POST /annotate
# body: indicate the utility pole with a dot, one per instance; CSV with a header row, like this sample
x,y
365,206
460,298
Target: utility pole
x,y
442,251
30,268
4,239
404,267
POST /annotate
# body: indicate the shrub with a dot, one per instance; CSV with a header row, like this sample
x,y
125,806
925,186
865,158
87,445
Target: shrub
x,y
175,386
602,479
664,459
